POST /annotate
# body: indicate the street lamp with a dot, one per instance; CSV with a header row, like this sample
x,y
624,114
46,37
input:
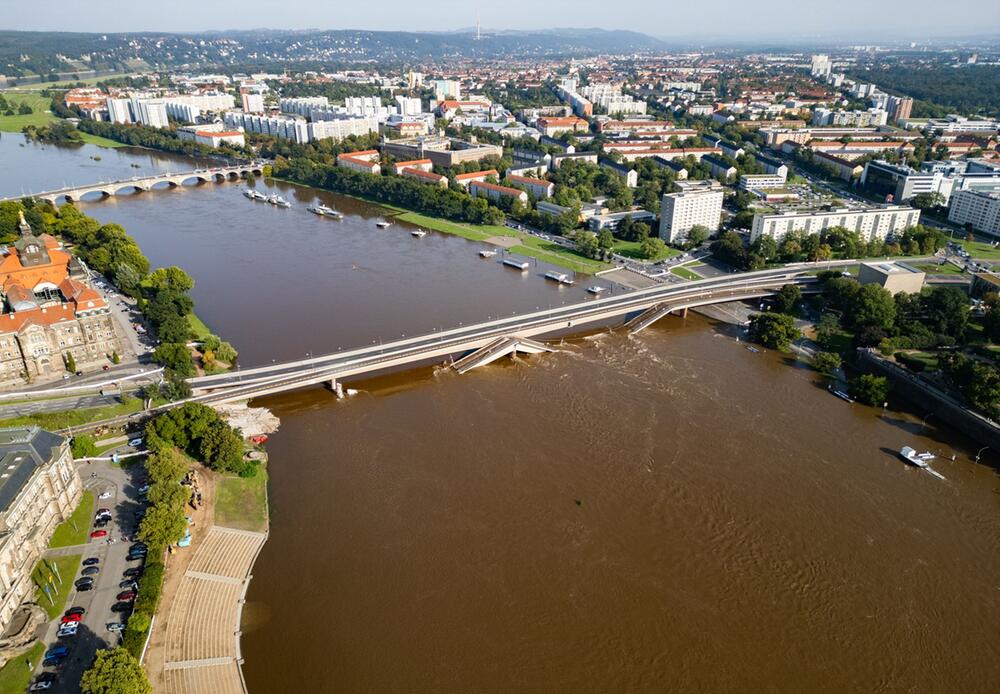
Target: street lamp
x,y
980,452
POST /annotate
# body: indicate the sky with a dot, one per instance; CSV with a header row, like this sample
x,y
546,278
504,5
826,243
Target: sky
x,y
740,19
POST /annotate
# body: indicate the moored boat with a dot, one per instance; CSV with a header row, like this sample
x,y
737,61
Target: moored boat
x,y
419,233
595,289
487,253
382,224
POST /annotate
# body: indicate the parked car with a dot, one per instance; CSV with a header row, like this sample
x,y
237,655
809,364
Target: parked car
x,y
83,584
121,607
91,561
76,610
90,571
128,583
68,630
71,618
101,522
126,595
135,442
116,626
44,681
134,571
106,494
57,651
135,557
98,533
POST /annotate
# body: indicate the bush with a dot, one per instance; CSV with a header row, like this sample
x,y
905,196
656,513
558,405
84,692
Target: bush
x,y
870,390
774,330
827,362
83,446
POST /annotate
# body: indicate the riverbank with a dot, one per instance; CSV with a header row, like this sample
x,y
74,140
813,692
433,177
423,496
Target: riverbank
x,y
529,245
40,116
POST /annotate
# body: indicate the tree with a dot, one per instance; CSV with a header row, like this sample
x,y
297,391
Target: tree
x,y
788,298
586,243
991,319
174,357
652,247
83,446
226,352
946,311
166,464
827,330
171,278
774,330
162,526
115,671
826,362
925,201
870,390
605,240
70,363
697,235
222,447
874,306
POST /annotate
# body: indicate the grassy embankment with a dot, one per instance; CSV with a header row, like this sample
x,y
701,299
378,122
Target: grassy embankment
x,y
75,529
630,249
530,245
68,568
939,268
64,419
242,503
686,274
978,249
15,676
40,117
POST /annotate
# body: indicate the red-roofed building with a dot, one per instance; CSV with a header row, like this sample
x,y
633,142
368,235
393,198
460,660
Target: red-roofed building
x,y
465,179
450,107
535,187
422,164
365,161
481,189
426,177
556,126
49,312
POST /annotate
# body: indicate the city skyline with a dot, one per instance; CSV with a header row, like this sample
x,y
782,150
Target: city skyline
x,y
724,20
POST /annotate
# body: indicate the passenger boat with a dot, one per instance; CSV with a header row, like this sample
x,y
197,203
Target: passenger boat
x,y
281,202
254,195
840,394
595,289
383,224
516,264
249,193
328,212
419,233
317,210
559,277
920,460
487,253
273,199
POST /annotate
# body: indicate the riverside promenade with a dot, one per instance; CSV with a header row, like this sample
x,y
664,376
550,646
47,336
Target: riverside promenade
x,y
195,643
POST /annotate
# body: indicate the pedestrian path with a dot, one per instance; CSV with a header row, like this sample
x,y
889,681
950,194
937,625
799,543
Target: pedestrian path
x,y
203,622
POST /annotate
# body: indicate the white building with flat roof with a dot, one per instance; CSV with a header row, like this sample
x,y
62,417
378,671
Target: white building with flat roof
x,y
119,110
252,102
697,203
871,222
978,208
151,112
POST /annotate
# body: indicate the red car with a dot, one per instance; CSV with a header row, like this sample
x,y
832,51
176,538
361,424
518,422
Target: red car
x,y
127,595
98,533
72,618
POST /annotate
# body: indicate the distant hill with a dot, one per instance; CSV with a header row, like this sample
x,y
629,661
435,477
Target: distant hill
x,y
63,53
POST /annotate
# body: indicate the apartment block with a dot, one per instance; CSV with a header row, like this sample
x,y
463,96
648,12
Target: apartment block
x,y
697,203
870,222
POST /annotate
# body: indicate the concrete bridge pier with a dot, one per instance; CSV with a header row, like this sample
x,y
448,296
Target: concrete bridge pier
x,y
334,386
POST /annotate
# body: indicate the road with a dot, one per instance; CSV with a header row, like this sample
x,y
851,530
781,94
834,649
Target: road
x,y
93,633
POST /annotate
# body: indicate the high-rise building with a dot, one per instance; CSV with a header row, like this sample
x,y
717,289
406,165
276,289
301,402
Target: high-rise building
x,y
408,106
978,208
697,203
821,66
119,111
252,102
447,89
151,112
899,107
870,222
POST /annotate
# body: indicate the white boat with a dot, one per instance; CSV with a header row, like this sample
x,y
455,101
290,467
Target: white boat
x,y
840,394
281,202
419,233
383,224
249,193
595,289
273,199
329,212
920,460
317,210
254,195
487,254
559,277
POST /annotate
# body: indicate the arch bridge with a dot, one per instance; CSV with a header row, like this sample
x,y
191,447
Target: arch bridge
x,y
219,174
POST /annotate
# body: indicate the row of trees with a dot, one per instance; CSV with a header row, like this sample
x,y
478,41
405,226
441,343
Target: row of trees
x,y
396,190
835,242
204,435
154,138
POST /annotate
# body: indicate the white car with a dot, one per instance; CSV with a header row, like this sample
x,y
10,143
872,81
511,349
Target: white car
x,y
135,442
68,629
106,495
115,626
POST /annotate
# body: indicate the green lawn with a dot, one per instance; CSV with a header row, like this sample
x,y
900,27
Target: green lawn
x,y
939,268
198,327
921,361
630,249
39,104
242,503
978,249
68,568
73,418
74,530
101,141
15,676
686,274
473,232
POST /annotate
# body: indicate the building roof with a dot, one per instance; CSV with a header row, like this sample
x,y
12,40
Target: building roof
x,y
503,190
528,180
22,451
412,163
476,174
426,175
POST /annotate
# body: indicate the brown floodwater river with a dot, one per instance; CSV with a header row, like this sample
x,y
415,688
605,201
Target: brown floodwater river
x,y
666,512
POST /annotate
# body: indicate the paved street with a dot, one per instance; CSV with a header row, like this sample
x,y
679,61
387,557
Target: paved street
x,y
93,633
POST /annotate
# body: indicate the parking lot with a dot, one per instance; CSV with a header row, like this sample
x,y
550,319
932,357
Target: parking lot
x,y
120,489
